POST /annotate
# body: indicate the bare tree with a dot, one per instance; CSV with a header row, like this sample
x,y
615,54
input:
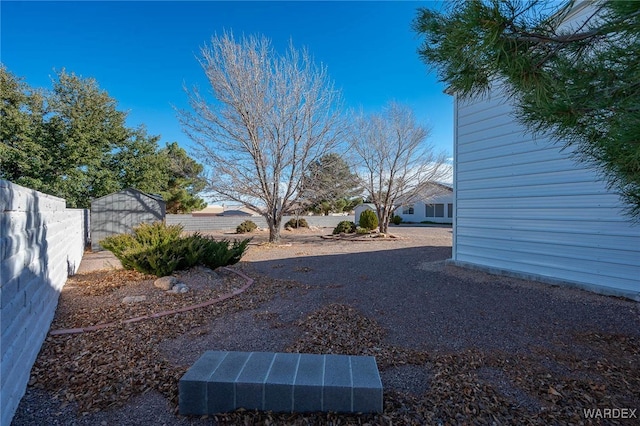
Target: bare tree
x,y
394,163
272,116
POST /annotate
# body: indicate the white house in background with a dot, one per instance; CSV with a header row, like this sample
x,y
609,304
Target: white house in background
x,y
438,209
523,207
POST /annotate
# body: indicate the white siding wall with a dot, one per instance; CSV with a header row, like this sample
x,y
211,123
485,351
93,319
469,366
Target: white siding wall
x,y
523,206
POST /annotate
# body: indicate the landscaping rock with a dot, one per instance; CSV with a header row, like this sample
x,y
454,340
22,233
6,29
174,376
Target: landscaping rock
x,y
179,288
134,299
165,283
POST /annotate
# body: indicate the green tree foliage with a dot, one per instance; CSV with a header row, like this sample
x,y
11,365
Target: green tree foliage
x,y
21,112
329,186
72,142
82,127
579,82
184,182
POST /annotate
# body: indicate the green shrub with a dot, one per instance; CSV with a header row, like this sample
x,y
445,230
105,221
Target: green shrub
x,y
144,235
345,227
368,220
360,230
222,253
160,250
299,223
191,249
246,226
396,220
159,260
117,244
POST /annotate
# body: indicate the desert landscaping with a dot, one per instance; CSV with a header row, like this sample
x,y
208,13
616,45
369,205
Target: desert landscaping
x,y
452,345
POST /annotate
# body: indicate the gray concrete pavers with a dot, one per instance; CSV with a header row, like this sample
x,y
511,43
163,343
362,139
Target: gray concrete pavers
x,y
223,381
307,389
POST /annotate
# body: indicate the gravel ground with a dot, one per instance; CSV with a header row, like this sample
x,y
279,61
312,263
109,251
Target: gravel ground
x,y
453,345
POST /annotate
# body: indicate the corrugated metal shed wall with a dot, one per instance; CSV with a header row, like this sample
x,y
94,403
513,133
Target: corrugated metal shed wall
x,y
119,212
523,206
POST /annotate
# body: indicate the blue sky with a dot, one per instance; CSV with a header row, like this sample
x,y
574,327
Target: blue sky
x,y
141,53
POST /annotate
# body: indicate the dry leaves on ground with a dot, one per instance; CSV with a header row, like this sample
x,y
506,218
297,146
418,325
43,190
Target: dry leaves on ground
x,y
105,368
341,329
546,385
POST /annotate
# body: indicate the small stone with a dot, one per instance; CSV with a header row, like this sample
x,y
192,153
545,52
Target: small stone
x,y
165,283
134,299
179,288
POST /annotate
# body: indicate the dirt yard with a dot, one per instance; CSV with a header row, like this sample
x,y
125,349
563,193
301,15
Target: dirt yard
x,y
454,346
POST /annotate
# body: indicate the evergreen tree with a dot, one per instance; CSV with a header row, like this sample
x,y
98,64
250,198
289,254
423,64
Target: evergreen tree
x,y
72,142
579,82
329,186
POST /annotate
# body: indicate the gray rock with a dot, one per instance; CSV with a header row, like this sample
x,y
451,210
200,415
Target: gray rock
x,y
134,299
179,288
165,283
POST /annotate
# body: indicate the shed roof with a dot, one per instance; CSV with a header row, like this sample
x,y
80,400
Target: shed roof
x,y
156,197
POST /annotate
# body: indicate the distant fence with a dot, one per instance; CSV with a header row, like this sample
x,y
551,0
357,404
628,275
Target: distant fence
x,y
41,244
228,223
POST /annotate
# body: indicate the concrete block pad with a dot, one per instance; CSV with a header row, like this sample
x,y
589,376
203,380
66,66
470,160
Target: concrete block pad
x,y
278,391
250,383
307,389
192,388
367,386
280,382
338,384
221,388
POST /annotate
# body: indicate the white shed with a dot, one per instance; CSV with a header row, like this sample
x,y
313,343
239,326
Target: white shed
x,y
362,207
525,208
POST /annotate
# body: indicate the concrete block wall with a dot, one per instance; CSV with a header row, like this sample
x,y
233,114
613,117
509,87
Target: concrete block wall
x,y
41,244
229,223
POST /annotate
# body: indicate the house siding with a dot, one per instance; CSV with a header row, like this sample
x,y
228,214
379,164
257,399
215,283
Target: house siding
x,y
420,210
524,206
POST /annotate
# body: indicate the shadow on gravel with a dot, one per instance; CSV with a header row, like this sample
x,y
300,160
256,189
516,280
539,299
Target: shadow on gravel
x,y
535,346
429,305
478,348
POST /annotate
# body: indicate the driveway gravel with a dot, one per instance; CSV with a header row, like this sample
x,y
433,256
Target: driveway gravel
x,y
471,347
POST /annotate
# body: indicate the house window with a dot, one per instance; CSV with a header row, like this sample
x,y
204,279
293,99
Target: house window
x,y
435,210
407,210
449,210
430,210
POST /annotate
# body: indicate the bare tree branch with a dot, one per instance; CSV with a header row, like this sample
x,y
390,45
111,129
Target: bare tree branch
x,y
394,163
270,116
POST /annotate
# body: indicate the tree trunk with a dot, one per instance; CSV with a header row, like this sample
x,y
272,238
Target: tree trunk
x,y
383,220
274,228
